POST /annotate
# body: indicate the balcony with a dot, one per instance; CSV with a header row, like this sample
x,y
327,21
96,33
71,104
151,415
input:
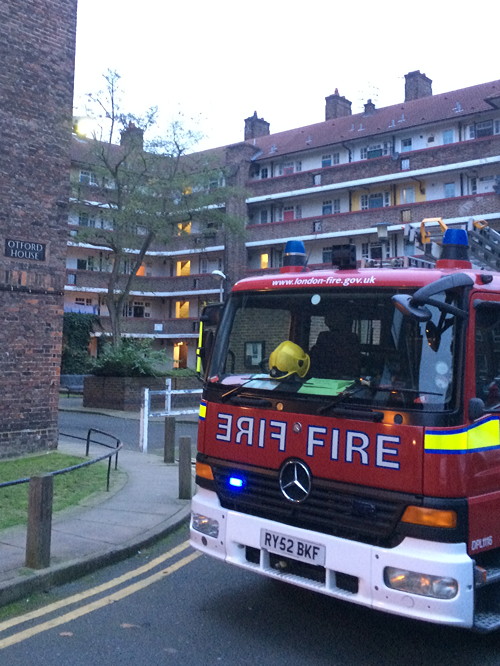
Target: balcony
x,y
201,283
480,204
183,242
140,326
453,153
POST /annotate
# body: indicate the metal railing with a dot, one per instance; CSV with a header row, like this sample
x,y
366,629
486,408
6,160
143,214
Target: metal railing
x,y
39,524
146,412
118,446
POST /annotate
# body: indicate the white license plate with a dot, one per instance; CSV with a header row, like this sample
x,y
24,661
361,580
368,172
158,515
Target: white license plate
x,y
296,549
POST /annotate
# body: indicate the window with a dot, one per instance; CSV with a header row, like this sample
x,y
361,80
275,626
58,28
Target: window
x,y
317,179
407,195
264,260
473,185
406,215
448,136
183,228
264,172
375,200
485,128
405,164
87,177
216,182
331,207
85,264
180,355
449,190
326,161
488,353
263,218
292,213
276,258
287,168
86,220
203,265
181,309
406,144
375,150
183,268
327,255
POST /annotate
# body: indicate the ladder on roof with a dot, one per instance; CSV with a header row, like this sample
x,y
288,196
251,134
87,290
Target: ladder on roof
x,y
484,242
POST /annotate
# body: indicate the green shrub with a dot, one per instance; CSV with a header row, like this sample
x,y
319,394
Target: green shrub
x,y
76,359
133,358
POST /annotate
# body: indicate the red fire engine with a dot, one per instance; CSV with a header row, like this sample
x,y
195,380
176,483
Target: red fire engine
x,y
349,436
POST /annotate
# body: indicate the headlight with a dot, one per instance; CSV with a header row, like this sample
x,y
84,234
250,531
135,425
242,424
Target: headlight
x,y
426,585
205,525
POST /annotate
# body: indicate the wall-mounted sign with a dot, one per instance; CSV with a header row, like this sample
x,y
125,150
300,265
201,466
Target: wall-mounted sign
x,y
18,249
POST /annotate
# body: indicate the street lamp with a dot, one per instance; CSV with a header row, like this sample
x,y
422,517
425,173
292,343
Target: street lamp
x,y
221,277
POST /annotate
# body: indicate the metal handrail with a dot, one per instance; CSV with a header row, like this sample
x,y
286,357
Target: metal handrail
x,y
87,463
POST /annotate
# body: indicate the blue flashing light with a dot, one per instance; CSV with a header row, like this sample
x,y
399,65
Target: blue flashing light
x,y
295,253
455,247
295,247
236,482
455,237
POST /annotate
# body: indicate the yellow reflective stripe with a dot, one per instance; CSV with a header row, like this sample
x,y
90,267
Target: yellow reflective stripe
x,y
203,410
198,348
480,436
446,441
485,436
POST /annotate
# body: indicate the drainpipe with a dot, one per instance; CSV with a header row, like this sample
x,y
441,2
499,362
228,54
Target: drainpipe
x,y
348,150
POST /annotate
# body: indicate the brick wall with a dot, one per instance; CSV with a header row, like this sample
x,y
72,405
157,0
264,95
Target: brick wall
x,y
36,84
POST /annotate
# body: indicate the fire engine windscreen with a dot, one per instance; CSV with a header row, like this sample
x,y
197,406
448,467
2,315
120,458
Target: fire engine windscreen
x,y
362,350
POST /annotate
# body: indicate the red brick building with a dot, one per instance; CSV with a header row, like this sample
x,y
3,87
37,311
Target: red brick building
x,y
365,178
36,94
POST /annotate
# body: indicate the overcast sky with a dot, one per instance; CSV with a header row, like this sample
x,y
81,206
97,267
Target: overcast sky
x,y
219,61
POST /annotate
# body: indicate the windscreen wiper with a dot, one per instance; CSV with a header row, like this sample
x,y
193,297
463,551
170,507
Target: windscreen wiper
x,y
346,393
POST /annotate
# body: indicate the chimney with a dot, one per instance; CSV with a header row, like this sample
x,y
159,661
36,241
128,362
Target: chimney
x,y
337,106
369,108
255,127
417,85
132,137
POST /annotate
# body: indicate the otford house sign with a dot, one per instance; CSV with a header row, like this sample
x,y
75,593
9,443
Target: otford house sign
x,y
18,249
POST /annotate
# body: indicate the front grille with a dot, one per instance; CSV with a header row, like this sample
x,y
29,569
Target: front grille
x,y
369,516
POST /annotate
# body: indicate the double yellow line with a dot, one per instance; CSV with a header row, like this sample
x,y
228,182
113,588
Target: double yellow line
x,y
99,603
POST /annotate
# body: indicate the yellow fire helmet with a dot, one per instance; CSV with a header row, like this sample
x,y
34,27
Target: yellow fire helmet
x,y
287,359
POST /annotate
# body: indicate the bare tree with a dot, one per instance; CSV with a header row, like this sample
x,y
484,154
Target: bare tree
x,y
143,192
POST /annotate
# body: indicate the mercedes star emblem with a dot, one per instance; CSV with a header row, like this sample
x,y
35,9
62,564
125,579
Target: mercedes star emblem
x,y
295,481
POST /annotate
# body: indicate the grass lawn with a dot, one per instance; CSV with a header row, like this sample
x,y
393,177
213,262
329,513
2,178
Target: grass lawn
x,y
69,488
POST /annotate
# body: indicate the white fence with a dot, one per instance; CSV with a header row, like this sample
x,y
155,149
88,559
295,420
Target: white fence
x,y
146,412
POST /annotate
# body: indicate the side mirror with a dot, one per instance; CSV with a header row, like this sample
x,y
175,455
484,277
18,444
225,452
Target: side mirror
x,y
211,314
404,303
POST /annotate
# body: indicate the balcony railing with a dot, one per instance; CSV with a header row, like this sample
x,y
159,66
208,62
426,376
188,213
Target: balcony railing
x,y
152,327
200,283
374,168
362,219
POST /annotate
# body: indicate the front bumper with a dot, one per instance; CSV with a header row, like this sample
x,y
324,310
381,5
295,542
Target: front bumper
x,y
353,571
